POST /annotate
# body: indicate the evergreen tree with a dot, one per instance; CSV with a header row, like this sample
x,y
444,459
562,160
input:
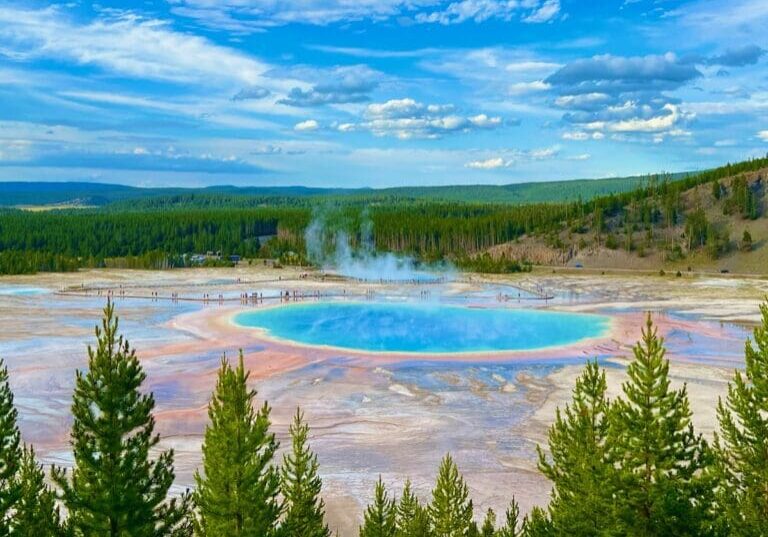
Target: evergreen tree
x,y
380,518
301,486
115,489
412,519
450,512
717,190
10,452
512,526
489,524
742,446
580,471
537,524
746,241
36,513
238,494
658,455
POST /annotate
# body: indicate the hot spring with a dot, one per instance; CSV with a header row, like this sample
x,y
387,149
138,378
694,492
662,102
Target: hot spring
x,y
423,328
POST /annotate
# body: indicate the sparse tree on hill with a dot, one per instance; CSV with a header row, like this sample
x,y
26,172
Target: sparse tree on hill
x,y
237,495
10,451
717,189
578,464
36,513
658,455
301,486
742,446
380,519
746,241
115,489
450,512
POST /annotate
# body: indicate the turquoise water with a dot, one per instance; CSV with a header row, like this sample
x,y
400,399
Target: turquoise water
x,y
404,327
19,290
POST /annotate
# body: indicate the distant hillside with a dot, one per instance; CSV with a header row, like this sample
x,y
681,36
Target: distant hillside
x,y
718,224
16,194
520,193
19,194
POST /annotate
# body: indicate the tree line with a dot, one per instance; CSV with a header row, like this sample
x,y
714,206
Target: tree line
x,y
162,235
631,466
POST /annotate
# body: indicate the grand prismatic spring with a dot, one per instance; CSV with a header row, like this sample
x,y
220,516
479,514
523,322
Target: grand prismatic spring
x,y
423,328
391,375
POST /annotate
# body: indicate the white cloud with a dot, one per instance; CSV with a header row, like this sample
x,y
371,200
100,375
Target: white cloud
x,y
678,133
583,156
395,108
488,164
737,20
519,88
763,135
729,142
580,100
256,15
528,66
483,121
243,16
510,157
756,103
653,124
544,13
665,123
533,11
308,125
407,118
579,136
219,112
127,45
544,153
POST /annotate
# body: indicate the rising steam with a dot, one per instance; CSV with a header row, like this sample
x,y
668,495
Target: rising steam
x,y
332,250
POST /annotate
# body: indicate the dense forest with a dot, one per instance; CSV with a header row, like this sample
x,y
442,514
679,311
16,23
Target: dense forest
x,y
630,466
167,231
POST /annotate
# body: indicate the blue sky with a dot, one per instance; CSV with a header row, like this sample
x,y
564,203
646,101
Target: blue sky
x,y
378,92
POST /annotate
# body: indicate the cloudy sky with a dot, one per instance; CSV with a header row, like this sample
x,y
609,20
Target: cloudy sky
x,y
378,92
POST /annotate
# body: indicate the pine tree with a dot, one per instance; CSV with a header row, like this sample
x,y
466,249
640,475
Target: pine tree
x,y
380,517
489,524
511,527
742,446
301,486
450,512
412,519
654,446
746,241
717,190
115,489
36,512
238,494
537,524
10,452
580,471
